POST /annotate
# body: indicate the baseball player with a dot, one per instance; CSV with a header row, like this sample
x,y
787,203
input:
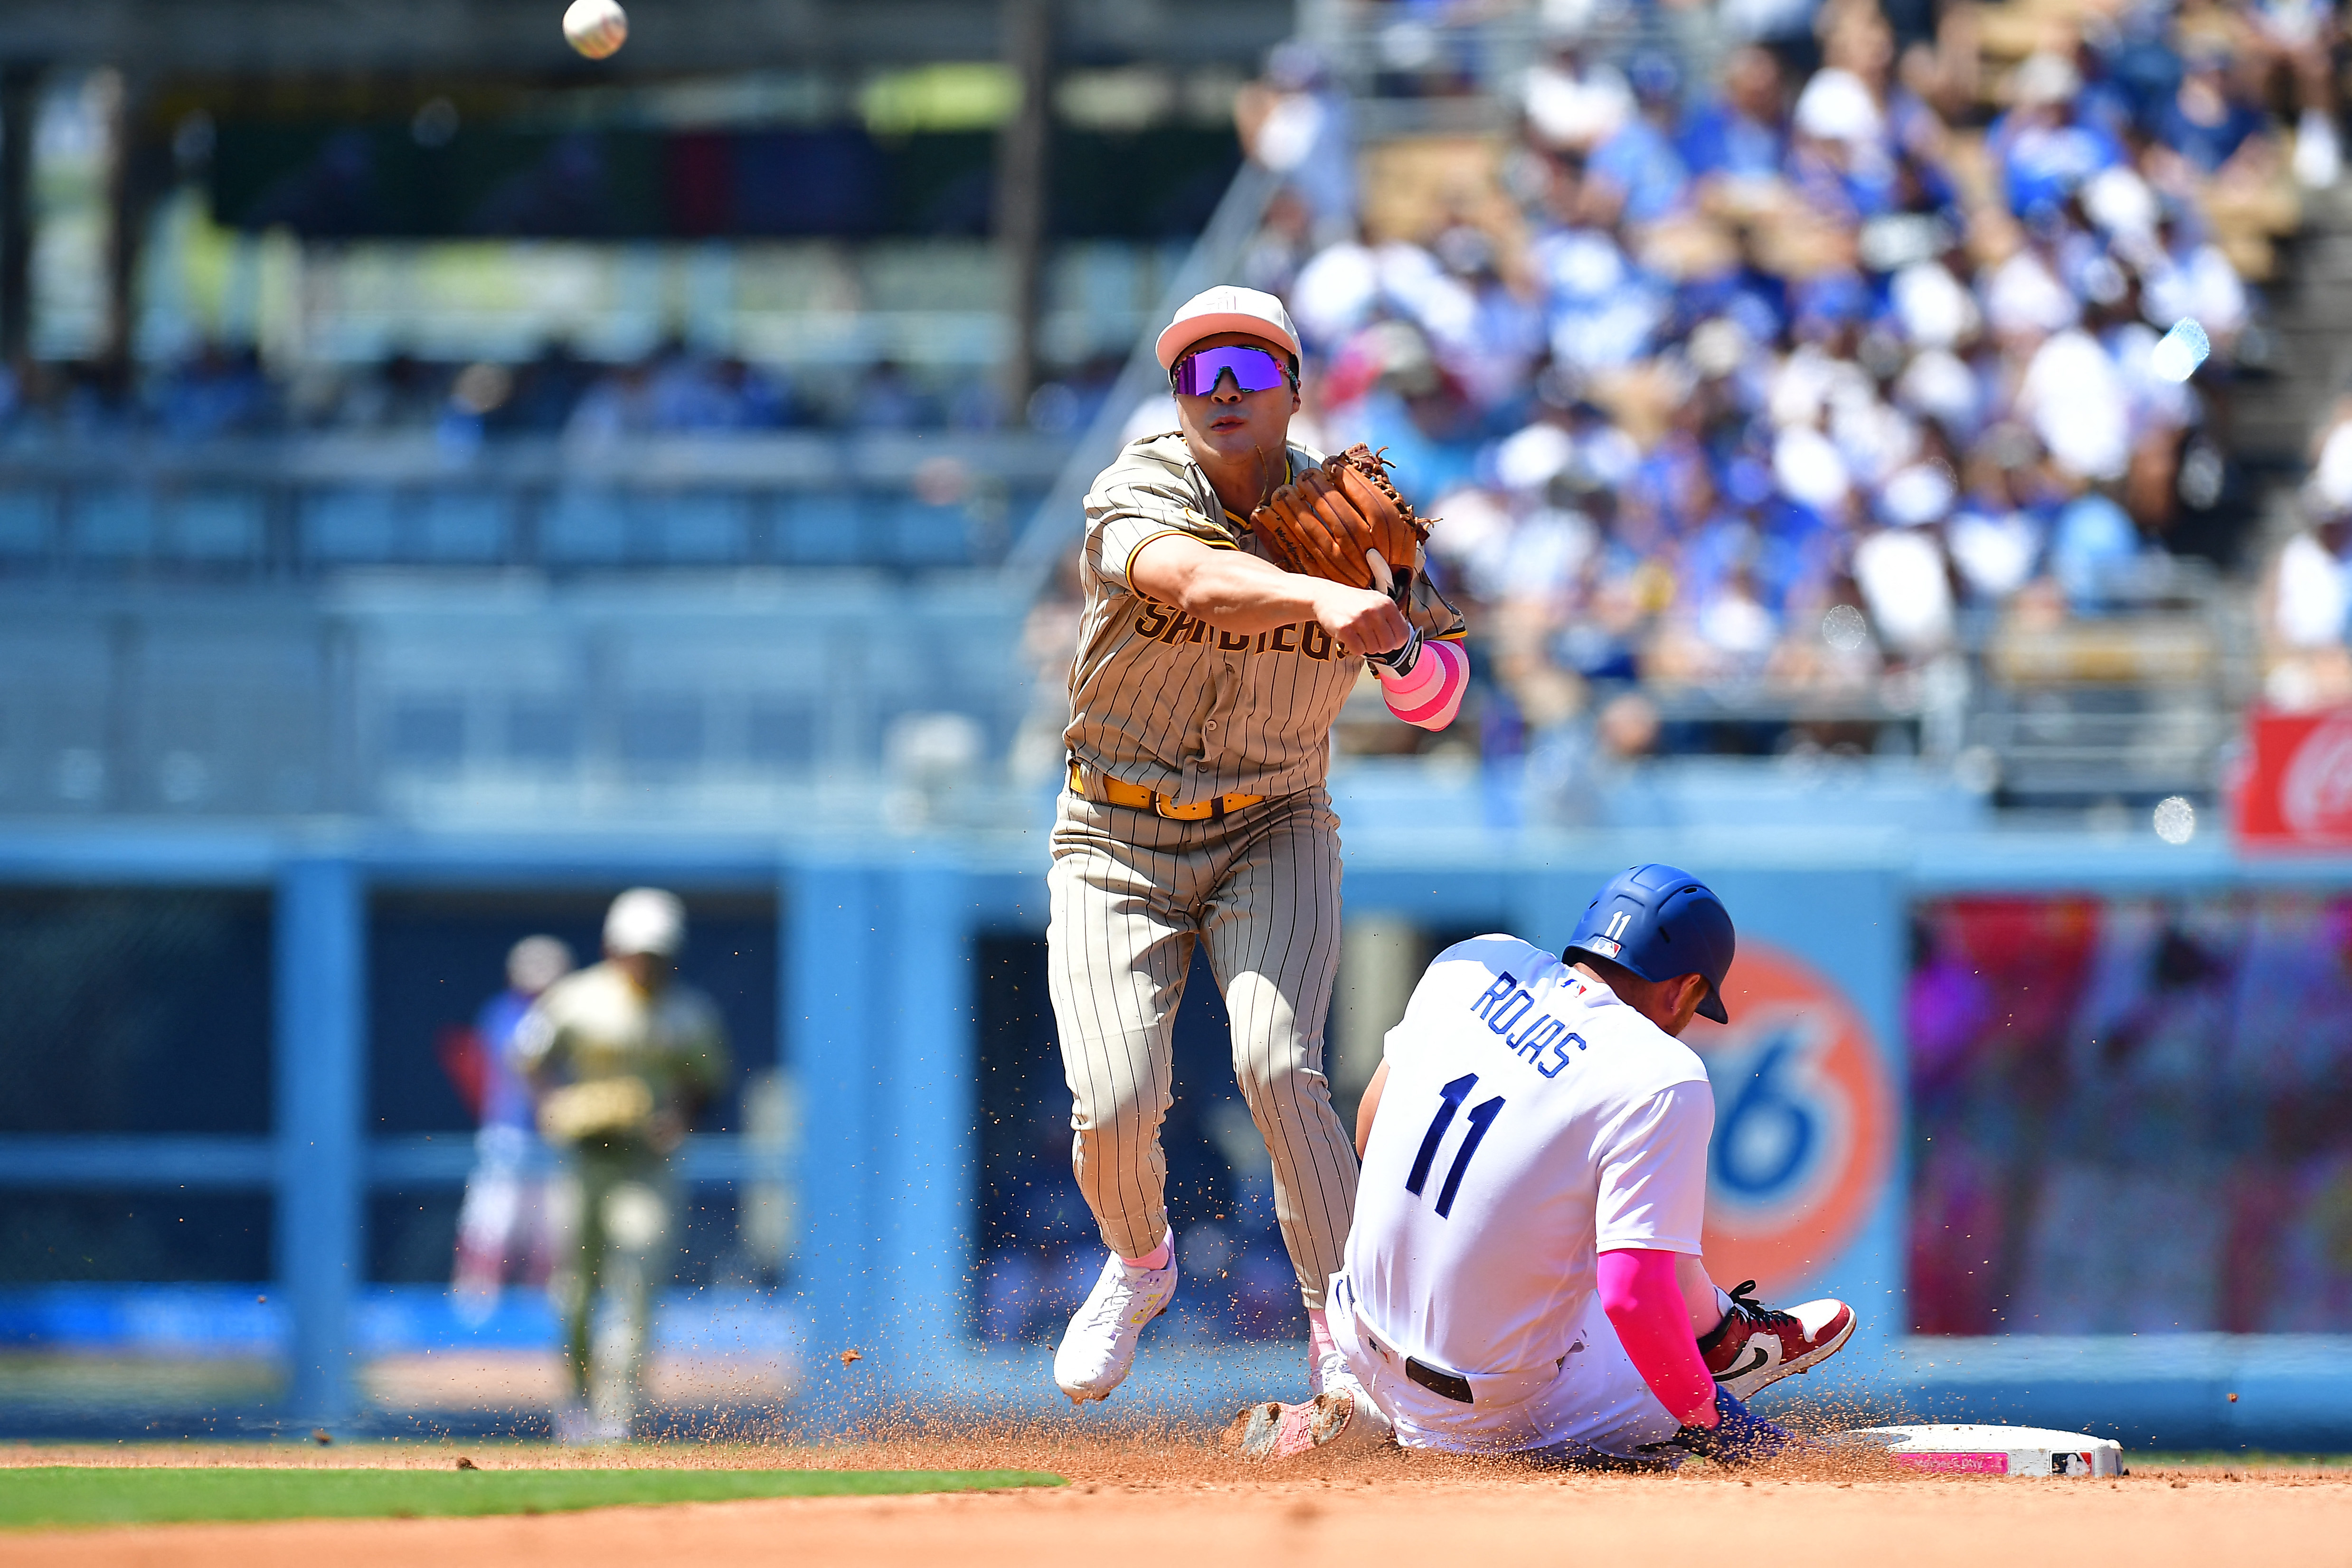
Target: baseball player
x,y
1524,1272
1228,612
623,1058
504,1192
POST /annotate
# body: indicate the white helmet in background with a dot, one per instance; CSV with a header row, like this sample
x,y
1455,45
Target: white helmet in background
x,y
536,962
645,919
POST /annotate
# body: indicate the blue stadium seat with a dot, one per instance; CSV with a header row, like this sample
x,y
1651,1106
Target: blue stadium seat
x,y
345,525
217,525
542,729
583,528
662,729
696,529
427,731
911,533
778,733
820,528
28,522
463,526
113,524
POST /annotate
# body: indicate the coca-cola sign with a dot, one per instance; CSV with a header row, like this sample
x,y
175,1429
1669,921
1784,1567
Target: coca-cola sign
x,y
2296,787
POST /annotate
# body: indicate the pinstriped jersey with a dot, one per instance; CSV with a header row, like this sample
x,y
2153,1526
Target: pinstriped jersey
x,y
1160,700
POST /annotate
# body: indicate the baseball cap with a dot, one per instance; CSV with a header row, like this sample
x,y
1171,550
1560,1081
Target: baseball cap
x,y
1227,308
536,962
2046,77
645,919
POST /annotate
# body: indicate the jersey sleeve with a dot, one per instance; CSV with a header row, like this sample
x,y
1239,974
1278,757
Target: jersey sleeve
x,y
1135,501
1653,1187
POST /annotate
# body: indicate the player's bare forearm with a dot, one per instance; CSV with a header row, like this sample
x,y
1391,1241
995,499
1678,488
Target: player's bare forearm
x,y
1231,590
1370,1107
1243,595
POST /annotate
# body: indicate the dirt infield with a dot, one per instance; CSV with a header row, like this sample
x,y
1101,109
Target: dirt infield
x,y
1192,1503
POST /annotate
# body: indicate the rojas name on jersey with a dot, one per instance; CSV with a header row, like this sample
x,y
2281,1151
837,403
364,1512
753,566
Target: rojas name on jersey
x,y
1506,1007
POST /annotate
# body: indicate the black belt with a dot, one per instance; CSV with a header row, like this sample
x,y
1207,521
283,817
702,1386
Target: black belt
x,y
1450,1385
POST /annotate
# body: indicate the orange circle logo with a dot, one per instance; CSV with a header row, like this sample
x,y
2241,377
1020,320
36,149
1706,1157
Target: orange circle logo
x,y
1803,1121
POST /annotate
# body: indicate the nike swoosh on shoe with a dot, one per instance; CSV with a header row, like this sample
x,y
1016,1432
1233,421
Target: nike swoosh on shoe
x,y
1763,1359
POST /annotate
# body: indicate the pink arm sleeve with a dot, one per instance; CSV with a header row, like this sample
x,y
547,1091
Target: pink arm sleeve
x,y
1430,695
1645,1306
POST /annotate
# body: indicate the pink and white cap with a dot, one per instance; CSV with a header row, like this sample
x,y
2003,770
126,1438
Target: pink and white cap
x,y
1227,308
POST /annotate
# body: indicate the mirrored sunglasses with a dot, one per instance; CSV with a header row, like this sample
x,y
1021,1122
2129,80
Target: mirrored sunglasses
x,y
1254,369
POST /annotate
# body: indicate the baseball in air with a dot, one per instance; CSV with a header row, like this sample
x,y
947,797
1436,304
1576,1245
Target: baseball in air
x,y
597,29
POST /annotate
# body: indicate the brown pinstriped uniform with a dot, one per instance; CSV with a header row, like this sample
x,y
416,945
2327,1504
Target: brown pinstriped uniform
x,y
1160,701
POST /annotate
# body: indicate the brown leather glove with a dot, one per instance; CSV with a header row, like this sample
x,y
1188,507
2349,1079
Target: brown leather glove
x,y
1323,523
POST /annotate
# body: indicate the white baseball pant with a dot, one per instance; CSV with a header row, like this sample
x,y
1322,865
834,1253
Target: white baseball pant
x,y
1596,1403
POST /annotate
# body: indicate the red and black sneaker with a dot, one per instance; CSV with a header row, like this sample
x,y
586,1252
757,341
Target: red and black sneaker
x,y
1755,1345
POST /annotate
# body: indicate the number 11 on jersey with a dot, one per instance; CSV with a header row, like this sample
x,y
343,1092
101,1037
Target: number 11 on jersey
x,y
1482,1116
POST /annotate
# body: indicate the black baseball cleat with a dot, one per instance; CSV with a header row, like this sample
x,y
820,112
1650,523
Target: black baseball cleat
x,y
1755,1346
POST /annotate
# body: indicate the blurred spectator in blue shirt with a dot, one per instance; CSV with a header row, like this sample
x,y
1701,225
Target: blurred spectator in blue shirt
x,y
2045,150
216,392
2093,541
2208,119
1639,163
888,400
1743,135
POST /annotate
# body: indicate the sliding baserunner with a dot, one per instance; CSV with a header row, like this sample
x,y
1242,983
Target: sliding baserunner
x,y
1524,1272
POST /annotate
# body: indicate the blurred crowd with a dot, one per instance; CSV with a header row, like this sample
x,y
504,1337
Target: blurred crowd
x,y
1806,377
1783,346
2177,1064
2307,594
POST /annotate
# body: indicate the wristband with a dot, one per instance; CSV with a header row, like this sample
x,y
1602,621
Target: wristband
x,y
1400,661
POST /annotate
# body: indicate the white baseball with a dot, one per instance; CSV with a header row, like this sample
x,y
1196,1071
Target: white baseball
x,y
597,29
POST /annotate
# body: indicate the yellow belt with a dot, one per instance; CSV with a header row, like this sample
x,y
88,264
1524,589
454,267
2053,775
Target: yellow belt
x,y
1119,792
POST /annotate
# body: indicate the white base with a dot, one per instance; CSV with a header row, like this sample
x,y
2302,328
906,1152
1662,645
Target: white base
x,y
1992,1450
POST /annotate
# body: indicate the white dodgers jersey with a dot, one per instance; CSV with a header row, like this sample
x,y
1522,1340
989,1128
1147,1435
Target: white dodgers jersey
x,y
1530,1120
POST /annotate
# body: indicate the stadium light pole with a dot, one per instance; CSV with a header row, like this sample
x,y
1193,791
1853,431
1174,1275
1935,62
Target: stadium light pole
x,y
1022,172
20,87
133,183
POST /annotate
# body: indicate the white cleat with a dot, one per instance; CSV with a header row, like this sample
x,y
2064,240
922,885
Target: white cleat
x,y
1097,1350
577,1426
1334,1422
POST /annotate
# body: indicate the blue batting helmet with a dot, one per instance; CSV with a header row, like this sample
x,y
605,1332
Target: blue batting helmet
x,y
1661,923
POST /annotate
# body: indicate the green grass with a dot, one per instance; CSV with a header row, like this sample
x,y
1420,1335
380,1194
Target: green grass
x,y
53,1495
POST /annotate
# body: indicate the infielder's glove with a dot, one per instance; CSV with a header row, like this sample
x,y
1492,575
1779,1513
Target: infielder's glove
x,y
600,1108
1323,523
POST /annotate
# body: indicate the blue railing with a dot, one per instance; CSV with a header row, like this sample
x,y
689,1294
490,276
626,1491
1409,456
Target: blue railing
x,y
301,507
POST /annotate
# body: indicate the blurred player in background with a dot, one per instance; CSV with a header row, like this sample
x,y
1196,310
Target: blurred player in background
x,y
1524,1273
506,1215
624,1058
